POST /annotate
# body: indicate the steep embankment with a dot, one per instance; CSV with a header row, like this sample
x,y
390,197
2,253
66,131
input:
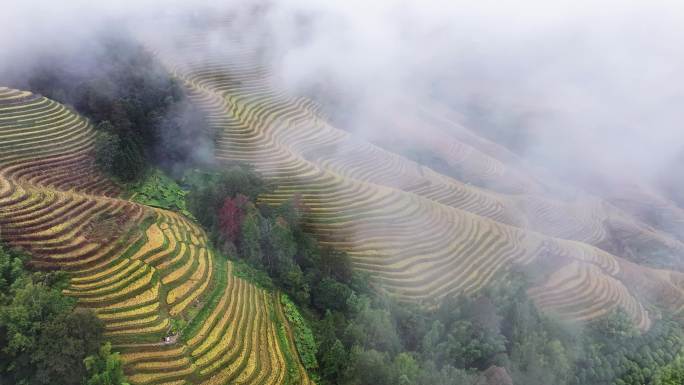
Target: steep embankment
x,y
140,269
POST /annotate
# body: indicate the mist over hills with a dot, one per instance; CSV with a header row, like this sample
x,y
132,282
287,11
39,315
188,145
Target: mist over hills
x,y
442,149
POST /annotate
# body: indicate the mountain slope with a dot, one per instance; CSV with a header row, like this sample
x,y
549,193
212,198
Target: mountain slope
x,y
421,234
140,269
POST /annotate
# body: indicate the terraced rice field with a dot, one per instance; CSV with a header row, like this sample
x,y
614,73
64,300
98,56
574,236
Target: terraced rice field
x,y
421,234
140,269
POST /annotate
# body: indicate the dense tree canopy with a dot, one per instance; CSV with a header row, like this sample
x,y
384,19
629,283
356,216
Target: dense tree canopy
x,y
43,338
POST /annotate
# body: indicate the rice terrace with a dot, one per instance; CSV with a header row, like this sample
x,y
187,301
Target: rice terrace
x,y
286,192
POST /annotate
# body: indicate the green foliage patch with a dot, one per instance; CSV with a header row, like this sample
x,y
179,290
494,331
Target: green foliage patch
x,y
44,339
105,368
243,270
156,189
304,338
290,362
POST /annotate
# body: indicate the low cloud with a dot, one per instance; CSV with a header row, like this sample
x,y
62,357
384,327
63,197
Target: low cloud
x,y
586,84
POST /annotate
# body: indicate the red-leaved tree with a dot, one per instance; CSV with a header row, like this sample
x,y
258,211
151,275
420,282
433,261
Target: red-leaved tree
x,y
231,215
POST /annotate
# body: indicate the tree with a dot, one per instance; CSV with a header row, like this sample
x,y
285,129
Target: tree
x,y
336,264
249,245
105,368
11,269
129,161
62,345
373,328
239,179
470,346
209,190
107,147
432,344
333,359
294,283
231,215
617,325
368,367
672,374
43,340
23,320
279,246
406,369
331,295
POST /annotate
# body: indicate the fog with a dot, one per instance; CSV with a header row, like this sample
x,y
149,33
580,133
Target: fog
x,y
587,84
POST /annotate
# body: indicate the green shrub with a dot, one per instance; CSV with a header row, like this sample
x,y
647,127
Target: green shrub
x,y
158,190
304,338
